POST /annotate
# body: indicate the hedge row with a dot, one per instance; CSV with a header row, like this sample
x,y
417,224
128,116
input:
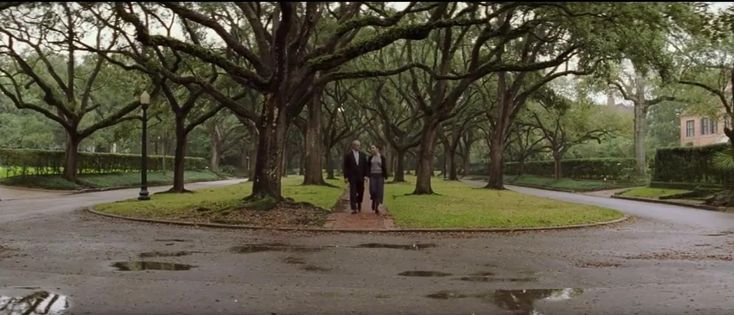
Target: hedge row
x,y
597,168
693,165
42,162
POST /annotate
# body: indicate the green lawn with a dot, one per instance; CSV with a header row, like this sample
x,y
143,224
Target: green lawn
x,y
654,193
458,205
461,205
566,184
104,181
221,198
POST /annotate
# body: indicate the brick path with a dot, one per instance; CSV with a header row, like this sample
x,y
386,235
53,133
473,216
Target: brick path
x,y
343,218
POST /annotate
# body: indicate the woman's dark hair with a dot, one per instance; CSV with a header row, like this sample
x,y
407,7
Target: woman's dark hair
x,y
378,146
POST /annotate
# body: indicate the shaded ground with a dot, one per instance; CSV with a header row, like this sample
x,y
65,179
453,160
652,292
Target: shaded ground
x,y
310,207
671,260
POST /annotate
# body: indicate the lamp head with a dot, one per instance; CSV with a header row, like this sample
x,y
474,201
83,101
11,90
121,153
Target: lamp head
x,y
144,99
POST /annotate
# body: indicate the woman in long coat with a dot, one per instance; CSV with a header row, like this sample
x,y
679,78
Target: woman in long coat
x,y
378,174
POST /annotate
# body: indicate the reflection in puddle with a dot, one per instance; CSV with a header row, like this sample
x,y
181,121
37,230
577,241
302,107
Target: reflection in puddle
x,y
294,260
273,247
40,302
149,265
416,273
396,246
177,240
516,300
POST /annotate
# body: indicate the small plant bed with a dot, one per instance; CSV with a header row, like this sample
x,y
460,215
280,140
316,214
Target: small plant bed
x,y
566,184
117,180
654,193
458,205
308,206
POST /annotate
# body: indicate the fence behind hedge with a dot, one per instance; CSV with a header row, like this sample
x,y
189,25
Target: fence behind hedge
x,y
42,162
690,166
596,168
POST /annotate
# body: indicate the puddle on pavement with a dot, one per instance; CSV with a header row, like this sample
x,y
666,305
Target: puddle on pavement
x,y
515,300
165,254
150,265
272,247
38,302
294,260
420,273
491,279
396,246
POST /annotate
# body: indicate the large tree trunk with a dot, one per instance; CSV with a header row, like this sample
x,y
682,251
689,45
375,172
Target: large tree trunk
x,y
313,174
329,164
251,161
399,167
178,159
467,160
640,134
497,143
216,148
496,163
445,164
424,167
71,157
451,164
269,162
557,171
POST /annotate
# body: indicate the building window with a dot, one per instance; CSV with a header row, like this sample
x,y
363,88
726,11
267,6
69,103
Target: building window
x,y
705,126
690,128
714,127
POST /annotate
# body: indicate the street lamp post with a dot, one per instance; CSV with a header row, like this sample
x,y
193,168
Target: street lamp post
x,y
144,102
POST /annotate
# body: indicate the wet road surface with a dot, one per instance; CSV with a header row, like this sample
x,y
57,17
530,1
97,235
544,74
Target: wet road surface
x,y
56,258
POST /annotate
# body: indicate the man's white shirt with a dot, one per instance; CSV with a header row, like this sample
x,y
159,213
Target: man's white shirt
x,y
356,156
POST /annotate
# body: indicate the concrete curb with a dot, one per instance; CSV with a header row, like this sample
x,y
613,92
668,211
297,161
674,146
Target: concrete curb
x,y
673,203
398,230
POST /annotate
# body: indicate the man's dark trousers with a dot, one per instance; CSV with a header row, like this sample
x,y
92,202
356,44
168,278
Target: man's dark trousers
x,y
355,170
356,192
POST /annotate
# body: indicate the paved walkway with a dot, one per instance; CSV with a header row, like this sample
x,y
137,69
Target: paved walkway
x,y
366,219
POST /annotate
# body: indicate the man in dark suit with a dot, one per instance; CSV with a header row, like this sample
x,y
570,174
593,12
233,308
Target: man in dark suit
x,y
355,169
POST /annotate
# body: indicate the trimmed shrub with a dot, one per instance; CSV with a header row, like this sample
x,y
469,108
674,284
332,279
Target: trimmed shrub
x,y
693,166
596,168
42,162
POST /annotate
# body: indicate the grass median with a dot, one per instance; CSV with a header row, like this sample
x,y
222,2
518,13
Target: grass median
x,y
459,205
225,205
653,193
565,184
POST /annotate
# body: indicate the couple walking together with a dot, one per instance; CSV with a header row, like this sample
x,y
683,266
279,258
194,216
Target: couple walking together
x,y
357,167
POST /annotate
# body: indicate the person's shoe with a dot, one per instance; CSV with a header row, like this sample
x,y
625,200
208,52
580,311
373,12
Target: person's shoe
x,y
354,211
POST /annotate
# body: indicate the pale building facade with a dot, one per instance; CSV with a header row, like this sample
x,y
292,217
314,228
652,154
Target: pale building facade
x,y
699,130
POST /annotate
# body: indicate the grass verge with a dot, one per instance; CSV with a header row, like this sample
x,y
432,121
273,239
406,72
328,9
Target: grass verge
x,y
458,205
225,205
565,184
653,193
104,180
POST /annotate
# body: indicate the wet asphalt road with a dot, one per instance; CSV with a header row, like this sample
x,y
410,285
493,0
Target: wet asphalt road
x,y
668,260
